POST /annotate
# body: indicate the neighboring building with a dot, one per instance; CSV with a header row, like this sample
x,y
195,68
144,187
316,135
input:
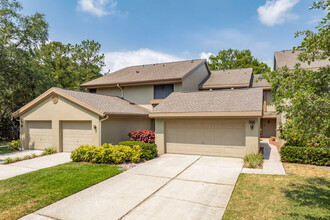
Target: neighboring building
x,y
193,110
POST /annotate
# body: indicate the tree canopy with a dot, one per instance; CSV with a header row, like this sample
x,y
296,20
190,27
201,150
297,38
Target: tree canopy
x,y
30,64
235,59
302,95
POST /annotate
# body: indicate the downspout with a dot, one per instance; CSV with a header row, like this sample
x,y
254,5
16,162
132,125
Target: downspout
x,y
100,127
122,91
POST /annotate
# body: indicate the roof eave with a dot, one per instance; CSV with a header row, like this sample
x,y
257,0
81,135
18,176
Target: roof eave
x,y
206,114
145,82
46,95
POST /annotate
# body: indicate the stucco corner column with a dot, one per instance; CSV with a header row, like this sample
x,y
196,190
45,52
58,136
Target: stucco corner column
x,y
160,135
252,135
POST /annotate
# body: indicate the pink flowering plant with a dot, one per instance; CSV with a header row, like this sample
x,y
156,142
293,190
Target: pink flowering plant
x,y
146,136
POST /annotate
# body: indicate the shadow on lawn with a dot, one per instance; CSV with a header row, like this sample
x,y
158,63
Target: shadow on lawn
x,y
314,193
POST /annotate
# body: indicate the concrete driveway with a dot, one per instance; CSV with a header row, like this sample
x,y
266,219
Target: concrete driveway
x,y
25,166
169,187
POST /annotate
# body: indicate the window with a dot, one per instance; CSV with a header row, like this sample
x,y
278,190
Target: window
x,y
92,90
162,91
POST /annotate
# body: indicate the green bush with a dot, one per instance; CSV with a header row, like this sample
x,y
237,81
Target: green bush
x,y
107,153
149,151
253,160
14,145
49,150
12,160
306,155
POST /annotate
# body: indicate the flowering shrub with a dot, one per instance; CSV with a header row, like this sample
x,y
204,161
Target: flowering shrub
x,y
146,136
295,136
107,153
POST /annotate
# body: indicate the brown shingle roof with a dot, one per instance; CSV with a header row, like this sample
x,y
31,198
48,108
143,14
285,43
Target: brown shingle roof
x,y
99,104
105,104
229,78
173,71
289,58
259,82
238,100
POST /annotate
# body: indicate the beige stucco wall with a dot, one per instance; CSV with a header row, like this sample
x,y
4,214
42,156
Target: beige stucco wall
x,y
252,136
140,95
192,81
115,130
64,110
112,91
160,135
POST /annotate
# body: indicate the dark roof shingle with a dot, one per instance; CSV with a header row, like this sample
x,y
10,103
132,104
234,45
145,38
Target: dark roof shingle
x,y
147,73
238,100
289,58
105,104
229,78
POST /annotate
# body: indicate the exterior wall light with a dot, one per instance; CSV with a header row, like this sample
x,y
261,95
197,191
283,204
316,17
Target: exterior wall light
x,y
251,124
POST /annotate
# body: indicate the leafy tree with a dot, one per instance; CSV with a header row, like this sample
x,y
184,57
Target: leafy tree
x,y
71,65
235,59
303,95
29,66
19,35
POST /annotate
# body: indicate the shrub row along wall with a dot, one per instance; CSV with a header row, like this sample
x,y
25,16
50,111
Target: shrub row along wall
x,y
307,155
108,153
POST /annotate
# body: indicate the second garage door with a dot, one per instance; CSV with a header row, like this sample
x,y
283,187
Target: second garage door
x,y
216,137
76,133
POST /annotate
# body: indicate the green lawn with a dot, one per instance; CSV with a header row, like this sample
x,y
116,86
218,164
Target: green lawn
x,y
4,150
304,195
29,192
4,143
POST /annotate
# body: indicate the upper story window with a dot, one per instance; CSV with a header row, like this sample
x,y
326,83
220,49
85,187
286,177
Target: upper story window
x,y
92,90
162,91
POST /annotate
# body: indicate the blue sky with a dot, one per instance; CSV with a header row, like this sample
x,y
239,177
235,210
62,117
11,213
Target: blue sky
x,y
135,32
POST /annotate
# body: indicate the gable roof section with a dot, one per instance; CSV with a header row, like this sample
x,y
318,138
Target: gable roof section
x,y
238,102
102,105
144,74
289,58
259,82
233,78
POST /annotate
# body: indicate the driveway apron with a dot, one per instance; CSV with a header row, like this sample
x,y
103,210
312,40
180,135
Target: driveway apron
x,y
171,186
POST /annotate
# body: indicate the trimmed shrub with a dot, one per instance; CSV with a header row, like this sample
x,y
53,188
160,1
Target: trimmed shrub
x,y
107,153
253,160
149,150
49,150
14,145
146,136
306,155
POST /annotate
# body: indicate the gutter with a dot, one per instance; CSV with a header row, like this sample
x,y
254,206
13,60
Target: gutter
x,y
122,91
100,127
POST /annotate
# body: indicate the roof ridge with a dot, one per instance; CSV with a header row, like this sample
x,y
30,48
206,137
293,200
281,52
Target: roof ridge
x,y
150,64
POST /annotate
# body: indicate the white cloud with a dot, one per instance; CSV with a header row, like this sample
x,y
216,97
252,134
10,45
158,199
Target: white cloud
x,y
276,11
120,59
98,7
205,55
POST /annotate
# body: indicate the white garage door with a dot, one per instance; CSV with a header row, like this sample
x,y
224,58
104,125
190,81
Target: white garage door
x,y
215,137
40,134
76,133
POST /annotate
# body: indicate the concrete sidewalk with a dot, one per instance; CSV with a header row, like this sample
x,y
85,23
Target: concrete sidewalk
x,y
171,186
272,161
25,166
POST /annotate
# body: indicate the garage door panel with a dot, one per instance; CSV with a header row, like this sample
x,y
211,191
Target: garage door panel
x,y
76,133
216,137
40,134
